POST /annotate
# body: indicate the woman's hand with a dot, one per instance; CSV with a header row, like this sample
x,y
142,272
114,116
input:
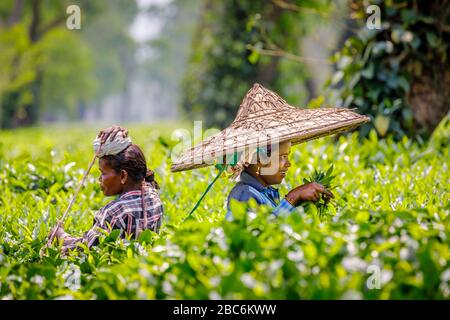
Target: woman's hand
x,y
308,192
111,132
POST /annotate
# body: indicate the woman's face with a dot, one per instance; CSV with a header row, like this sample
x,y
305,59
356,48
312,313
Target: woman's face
x,y
281,162
110,181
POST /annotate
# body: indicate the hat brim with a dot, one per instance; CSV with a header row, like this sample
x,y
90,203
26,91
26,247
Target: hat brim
x,y
295,125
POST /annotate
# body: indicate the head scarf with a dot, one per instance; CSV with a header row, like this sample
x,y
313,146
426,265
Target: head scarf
x,y
111,147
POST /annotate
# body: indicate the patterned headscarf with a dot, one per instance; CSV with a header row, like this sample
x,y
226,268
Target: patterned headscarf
x,y
111,147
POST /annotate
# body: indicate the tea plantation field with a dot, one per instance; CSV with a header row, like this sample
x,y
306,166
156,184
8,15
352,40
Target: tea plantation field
x,y
385,237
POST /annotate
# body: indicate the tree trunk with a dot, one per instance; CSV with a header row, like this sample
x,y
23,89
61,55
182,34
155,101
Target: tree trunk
x,y
310,88
9,104
16,13
32,109
268,72
429,98
35,20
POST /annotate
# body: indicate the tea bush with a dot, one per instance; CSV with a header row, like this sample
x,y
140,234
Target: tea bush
x,y
385,237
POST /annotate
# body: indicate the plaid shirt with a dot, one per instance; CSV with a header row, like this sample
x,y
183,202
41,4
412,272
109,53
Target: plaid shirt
x,y
125,214
249,188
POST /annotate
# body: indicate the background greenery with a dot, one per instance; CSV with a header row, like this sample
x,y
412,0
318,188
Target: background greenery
x,y
208,53
400,74
47,70
228,56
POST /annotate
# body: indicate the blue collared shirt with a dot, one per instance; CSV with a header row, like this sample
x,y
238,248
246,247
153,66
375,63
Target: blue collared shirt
x,y
249,187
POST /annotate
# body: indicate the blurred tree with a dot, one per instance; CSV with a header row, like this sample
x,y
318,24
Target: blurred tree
x,y
17,71
29,40
400,73
108,36
47,68
67,73
239,43
166,56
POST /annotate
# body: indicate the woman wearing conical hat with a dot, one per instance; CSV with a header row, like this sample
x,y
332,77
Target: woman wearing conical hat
x,y
257,144
257,177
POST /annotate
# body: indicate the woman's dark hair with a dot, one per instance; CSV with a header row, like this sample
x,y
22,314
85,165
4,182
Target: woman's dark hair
x,y
132,160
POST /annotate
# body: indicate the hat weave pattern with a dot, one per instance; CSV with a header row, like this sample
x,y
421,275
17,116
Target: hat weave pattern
x,y
264,118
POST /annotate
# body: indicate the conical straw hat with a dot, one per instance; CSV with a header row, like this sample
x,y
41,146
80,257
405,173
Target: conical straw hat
x,y
262,118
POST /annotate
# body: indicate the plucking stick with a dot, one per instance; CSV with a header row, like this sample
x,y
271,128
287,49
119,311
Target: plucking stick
x,y
72,201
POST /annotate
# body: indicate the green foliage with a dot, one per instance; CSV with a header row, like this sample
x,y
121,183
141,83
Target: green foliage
x,y
170,50
397,74
113,58
324,178
392,210
46,69
19,61
227,56
68,72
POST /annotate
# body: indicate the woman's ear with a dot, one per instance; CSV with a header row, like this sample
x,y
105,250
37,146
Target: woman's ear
x,y
123,176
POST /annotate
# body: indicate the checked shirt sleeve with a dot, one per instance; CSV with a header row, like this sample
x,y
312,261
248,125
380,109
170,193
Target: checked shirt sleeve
x,y
90,238
154,211
124,214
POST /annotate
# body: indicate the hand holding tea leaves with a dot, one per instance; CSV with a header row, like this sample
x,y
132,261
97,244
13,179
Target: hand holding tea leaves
x,y
313,189
310,191
324,179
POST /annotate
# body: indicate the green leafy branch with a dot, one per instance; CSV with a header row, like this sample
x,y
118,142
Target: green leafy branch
x,y
324,178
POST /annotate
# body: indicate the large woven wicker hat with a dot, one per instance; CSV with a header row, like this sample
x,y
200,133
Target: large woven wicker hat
x,y
262,118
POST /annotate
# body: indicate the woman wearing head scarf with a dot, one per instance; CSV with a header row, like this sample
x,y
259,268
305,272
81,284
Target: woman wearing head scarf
x,y
124,174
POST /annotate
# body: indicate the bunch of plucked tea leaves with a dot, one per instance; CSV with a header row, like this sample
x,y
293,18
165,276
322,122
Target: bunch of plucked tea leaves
x,y
324,178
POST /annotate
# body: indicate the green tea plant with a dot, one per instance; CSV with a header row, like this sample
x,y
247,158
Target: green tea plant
x,y
390,212
324,178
